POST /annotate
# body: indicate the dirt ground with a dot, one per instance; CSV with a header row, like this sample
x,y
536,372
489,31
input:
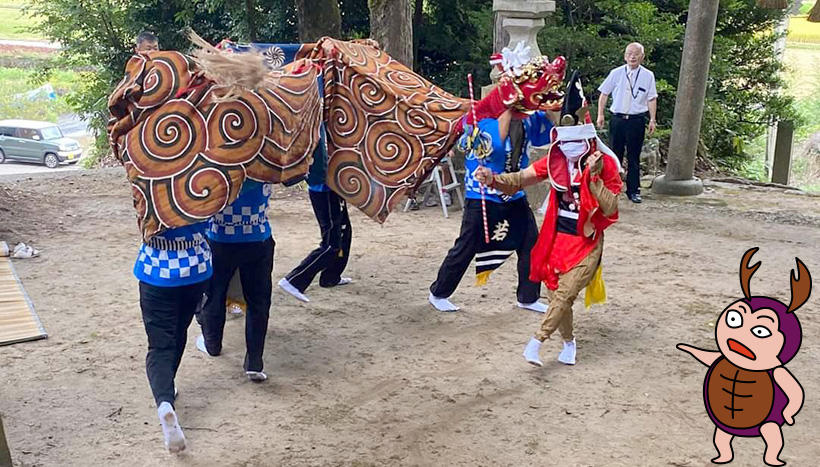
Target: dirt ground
x,y
370,374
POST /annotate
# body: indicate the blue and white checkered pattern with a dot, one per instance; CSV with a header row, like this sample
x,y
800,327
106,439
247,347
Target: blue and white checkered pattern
x,y
174,258
246,219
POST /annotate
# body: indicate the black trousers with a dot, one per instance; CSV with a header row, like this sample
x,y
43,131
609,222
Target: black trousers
x,y
461,254
167,312
627,135
330,258
255,263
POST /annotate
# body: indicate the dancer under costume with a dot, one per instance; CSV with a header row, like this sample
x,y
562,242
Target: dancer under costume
x,y
584,178
241,239
510,119
173,268
329,259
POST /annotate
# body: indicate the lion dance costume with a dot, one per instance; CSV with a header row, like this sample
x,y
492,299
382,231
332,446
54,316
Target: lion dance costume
x,y
497,134
202,137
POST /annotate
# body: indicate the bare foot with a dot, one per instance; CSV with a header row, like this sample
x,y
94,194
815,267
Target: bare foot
x,y
723,444
773,438
774,461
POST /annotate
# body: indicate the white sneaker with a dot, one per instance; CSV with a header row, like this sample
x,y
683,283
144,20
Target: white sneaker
x,y
535,306
567,356
256,376
441,304
345,281
289,288
171,431
531,352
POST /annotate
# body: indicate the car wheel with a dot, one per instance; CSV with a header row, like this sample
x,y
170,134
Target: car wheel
x,y
51,161
2,156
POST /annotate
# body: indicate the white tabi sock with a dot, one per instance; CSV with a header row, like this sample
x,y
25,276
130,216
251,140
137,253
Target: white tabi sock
x,y
567,355
200,344
171,431
441,304
289,288
535,306
256,376
531,352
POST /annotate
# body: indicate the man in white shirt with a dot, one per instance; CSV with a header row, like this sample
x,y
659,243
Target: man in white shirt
x,y
633,97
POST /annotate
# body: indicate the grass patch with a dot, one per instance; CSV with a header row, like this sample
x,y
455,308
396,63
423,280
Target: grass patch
x,y
802,78
802,70
18,81
15,23
806,6
801,30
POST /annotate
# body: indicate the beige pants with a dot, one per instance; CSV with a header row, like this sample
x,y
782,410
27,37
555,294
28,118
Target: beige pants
x,y
570,285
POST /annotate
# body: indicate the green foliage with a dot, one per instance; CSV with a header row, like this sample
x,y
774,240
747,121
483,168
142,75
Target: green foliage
x,y
18,81
355,19
455,38
744,83
97,36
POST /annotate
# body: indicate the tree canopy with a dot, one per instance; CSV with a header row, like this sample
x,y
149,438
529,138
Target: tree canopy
x,y
453,38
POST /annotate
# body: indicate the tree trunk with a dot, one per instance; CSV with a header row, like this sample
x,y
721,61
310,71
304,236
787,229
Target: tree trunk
x,y
814,13
689,101
391,25
318,18
250,12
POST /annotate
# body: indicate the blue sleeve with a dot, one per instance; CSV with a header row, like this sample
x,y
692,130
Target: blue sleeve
x,y
539,129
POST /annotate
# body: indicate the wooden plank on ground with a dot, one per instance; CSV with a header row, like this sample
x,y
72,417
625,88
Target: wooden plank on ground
x,y
18,320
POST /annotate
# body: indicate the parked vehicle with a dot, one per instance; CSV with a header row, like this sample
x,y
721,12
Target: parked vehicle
x,y
40,142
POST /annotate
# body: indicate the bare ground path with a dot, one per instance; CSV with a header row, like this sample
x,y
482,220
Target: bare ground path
x,y
370,374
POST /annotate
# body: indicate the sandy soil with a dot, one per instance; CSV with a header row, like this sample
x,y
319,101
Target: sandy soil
x,y
370,374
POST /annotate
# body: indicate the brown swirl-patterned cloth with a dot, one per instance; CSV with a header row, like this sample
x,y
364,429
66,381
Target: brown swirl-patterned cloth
x,y
387,127
187,154
187,157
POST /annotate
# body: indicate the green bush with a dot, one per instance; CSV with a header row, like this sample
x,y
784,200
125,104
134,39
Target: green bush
x,y
744,83
18,81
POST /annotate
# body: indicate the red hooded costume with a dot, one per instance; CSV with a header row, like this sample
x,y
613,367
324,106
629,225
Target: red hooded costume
x,y
557,252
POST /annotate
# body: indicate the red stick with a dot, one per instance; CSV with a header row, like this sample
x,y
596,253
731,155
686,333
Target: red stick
x,y
480,162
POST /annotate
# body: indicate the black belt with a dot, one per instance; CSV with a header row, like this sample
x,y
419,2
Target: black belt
x,y
628,116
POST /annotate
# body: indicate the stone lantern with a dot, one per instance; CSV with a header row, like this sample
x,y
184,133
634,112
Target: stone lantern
x,y
515,21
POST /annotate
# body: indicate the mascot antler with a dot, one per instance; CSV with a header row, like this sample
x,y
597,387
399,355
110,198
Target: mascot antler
x,y
801,286
746,271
